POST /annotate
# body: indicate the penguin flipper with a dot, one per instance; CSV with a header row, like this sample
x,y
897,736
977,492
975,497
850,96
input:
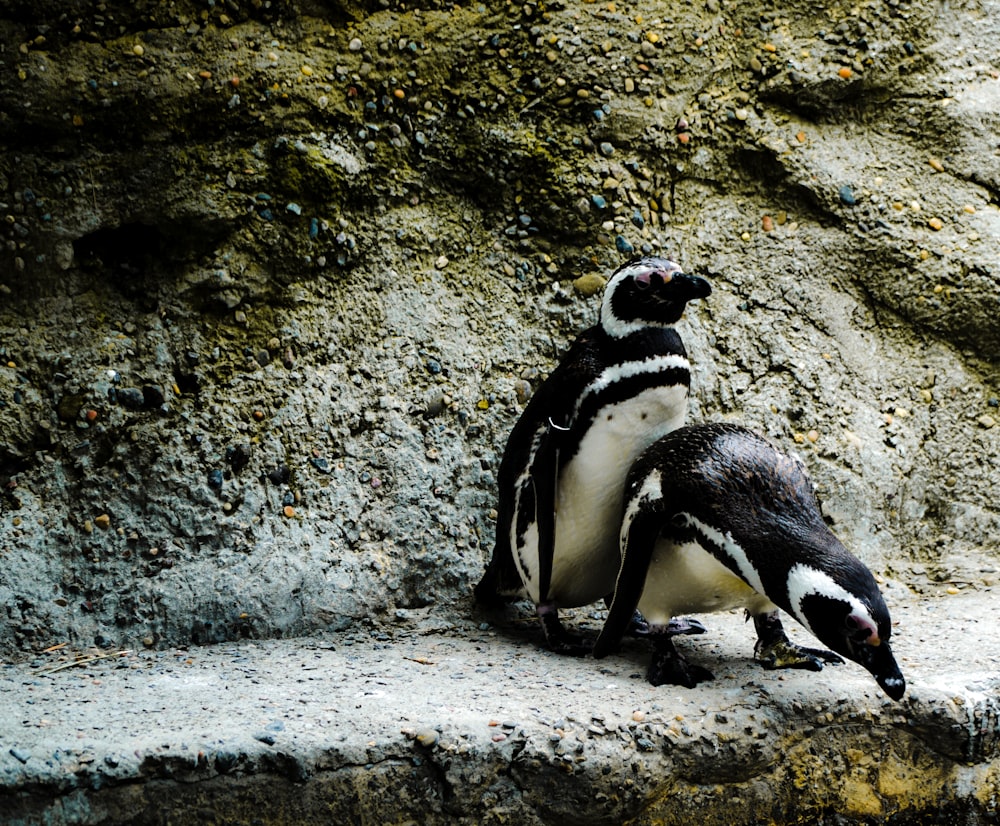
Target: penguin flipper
x,y
543,475
639,536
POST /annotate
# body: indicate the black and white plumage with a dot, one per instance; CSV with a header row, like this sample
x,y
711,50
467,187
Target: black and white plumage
x,y
623,384
717,518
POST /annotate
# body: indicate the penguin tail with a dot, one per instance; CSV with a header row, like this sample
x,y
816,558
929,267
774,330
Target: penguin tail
x,y
638,538
486,591
500,582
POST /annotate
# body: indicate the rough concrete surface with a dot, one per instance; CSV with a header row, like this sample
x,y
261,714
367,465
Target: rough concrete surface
x,y
426,721
277,277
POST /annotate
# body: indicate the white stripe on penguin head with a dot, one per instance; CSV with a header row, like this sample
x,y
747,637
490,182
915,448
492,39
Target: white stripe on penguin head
x,y
804,581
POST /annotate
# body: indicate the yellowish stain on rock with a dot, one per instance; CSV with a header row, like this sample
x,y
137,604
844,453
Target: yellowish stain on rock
x,y
860,798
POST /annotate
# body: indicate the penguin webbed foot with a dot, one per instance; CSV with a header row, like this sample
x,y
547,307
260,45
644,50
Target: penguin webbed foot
x,y
786,654
558,639
669,667
774,650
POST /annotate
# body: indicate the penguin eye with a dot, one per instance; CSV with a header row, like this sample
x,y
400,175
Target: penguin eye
x,y
857,629
643,281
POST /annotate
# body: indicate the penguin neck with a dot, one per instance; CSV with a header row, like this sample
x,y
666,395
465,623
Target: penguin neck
x,y
621,328
643,339
852,585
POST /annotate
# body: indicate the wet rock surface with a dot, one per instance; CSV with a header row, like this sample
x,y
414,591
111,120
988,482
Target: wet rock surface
x,y
276,279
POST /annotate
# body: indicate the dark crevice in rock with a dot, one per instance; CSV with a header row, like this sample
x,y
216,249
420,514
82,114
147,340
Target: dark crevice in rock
x,y
11,465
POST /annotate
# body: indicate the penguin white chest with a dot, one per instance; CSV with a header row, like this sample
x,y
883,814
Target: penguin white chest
x,y
685,578
589,496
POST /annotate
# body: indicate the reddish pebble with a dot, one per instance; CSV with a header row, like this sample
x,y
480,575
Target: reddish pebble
x,y
258,415
767,223
289,511
234,82
499,737
204,74
684,137
845,72
91,415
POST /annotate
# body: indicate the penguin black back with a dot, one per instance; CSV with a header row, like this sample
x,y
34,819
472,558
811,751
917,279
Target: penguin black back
x,y
728,475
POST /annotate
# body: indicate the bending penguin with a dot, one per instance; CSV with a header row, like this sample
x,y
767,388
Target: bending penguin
x,y
622,385
717,518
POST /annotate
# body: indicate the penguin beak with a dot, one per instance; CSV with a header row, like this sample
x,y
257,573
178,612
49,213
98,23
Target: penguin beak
x,y
879,661
691,286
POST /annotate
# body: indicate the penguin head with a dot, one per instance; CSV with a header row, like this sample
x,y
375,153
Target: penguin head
x,y
846,612
648,292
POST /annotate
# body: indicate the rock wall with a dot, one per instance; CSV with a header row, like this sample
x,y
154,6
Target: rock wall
x,y
276,278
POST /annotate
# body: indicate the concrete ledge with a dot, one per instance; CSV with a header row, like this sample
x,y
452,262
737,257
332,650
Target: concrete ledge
x,y
464,721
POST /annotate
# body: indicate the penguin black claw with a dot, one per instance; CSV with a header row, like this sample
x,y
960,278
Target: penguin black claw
x,y
678,626
682,626
622,384
716,518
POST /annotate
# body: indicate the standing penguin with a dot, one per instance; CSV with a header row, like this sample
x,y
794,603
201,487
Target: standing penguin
x,y
717,518
622,385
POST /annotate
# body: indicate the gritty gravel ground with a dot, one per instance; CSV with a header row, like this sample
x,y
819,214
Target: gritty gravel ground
x,y
471,693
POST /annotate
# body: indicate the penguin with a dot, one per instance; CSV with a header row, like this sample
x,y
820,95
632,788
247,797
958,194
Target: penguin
x,y
622,385
715,518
